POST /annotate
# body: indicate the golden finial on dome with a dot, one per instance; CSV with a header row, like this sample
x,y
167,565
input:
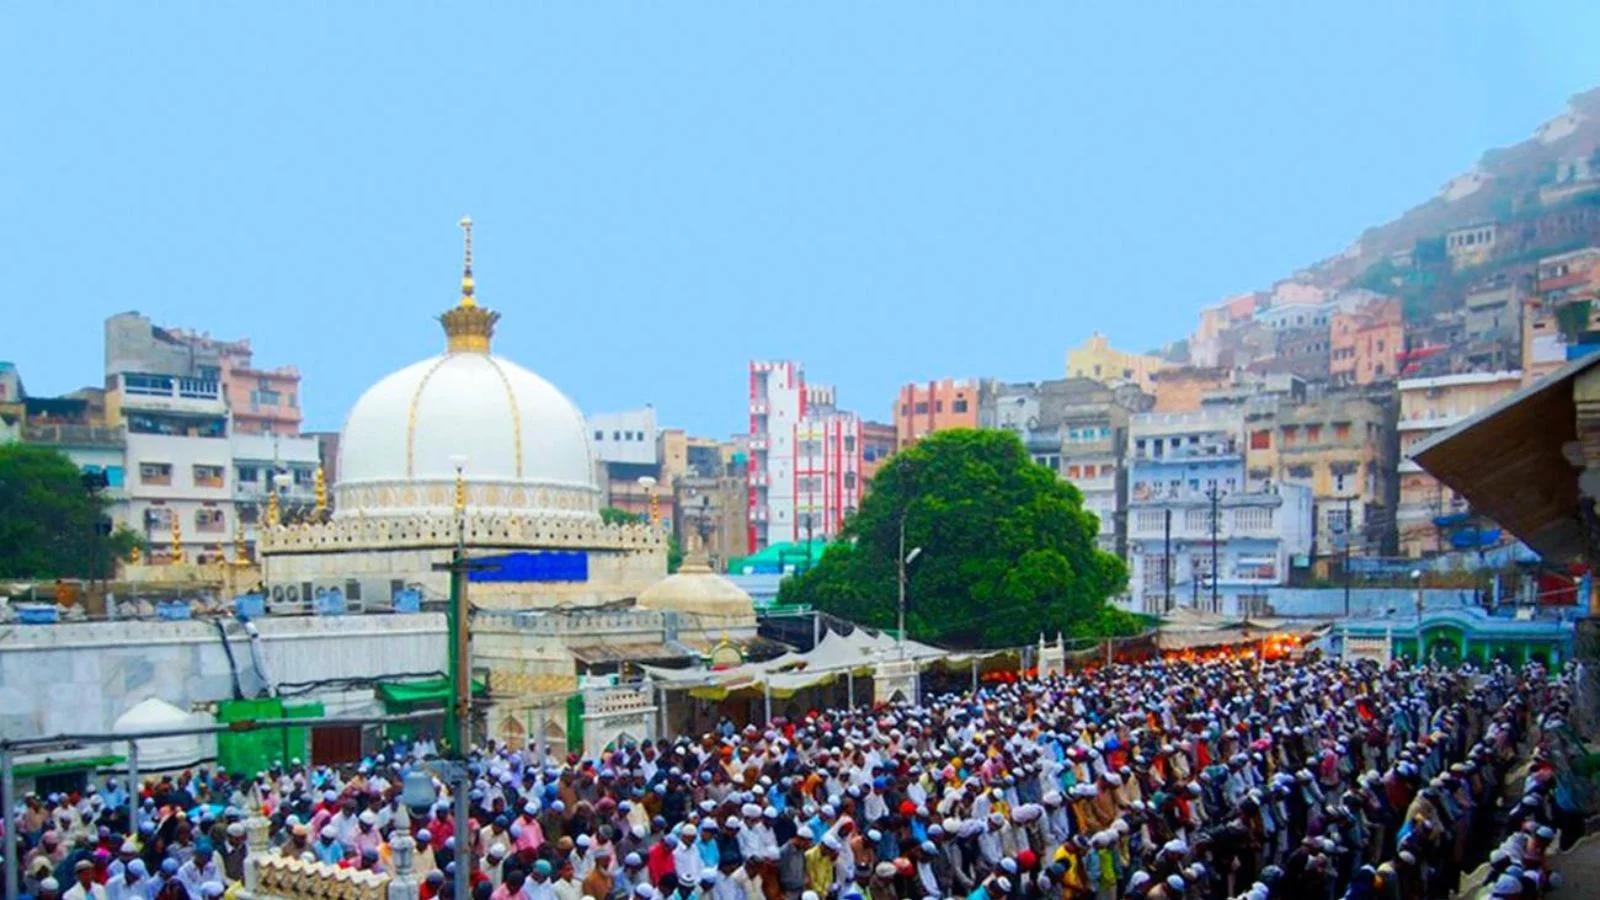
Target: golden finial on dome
x,y
468,326
466,265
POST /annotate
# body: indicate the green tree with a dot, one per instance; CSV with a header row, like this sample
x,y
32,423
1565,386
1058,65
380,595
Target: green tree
x,y
1007,549
50,523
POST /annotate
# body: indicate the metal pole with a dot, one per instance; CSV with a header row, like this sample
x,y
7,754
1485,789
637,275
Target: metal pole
x,y
850,689
8,790
974,674
133,787
464,835
900,561
766,698
1349,529
1216,582
1166,560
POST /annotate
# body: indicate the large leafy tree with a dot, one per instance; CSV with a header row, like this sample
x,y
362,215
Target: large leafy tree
x,y
1007,549
50,522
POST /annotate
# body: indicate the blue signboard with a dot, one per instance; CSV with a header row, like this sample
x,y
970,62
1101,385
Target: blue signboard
x,y
543,565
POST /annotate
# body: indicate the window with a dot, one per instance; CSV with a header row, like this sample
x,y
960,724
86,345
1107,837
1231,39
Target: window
x,y
209,476
208,520
155,473
303,477
1261,439
960,405
265,398
616,435
599,435
1313,433
849,443
849,481
294,401
352,589
1341,431
938,406
922,407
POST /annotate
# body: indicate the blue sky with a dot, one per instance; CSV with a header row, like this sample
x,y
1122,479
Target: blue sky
x,y
885,191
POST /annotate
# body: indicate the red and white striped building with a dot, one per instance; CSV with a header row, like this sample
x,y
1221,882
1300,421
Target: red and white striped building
x,y
805,457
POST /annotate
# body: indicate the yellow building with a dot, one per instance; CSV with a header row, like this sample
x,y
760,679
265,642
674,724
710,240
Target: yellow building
x,y
1097,359
1428,406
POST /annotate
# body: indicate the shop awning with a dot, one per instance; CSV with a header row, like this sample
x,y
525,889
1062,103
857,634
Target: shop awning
x,y
432,690
600,654
49,767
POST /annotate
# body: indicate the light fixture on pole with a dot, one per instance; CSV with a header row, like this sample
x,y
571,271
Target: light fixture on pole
x,y
649,484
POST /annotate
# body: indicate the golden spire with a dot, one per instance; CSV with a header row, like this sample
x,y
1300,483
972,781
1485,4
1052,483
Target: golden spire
x,y
177,538
466,265
272,517
461,492
240,554
468,326
322,494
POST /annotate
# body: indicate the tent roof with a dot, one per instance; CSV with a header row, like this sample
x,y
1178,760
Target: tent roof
x,y
152,714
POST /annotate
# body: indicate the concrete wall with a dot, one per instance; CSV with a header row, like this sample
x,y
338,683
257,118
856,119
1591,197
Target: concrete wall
x,y
80,677
1365,602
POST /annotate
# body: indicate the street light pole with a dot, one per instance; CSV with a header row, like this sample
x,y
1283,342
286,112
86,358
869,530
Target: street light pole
x,y
461,674
900,557
1349,528
1216,603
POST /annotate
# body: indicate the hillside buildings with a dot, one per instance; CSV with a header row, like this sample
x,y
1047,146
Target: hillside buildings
x,y
1096,359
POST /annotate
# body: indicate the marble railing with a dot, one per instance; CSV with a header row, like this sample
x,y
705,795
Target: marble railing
x,y
425,531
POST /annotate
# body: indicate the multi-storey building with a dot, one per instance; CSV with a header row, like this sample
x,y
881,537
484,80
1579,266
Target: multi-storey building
x,y
267,464
1096,359
879,441
1427,406
712,500
1197,534
925,407
181,398
631,454
1220,555
805,457
1365,342
1341,446
1471,245
1076,427
179,460
1183,389
261,401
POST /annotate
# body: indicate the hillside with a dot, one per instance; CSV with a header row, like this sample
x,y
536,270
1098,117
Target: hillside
x,y
1504,183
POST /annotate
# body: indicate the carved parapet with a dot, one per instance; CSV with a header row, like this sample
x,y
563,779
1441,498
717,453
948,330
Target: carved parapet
x,y
499,530
296,879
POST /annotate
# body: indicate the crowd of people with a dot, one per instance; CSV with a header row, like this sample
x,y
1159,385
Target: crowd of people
x,y
1156,781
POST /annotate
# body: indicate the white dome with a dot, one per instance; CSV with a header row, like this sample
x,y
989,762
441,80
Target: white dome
x,y
525,444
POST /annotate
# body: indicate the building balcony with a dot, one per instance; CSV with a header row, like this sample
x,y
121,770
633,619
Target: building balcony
x,y
758,442
74,435
1098,484
758,407
1429,422
757,478
168,393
